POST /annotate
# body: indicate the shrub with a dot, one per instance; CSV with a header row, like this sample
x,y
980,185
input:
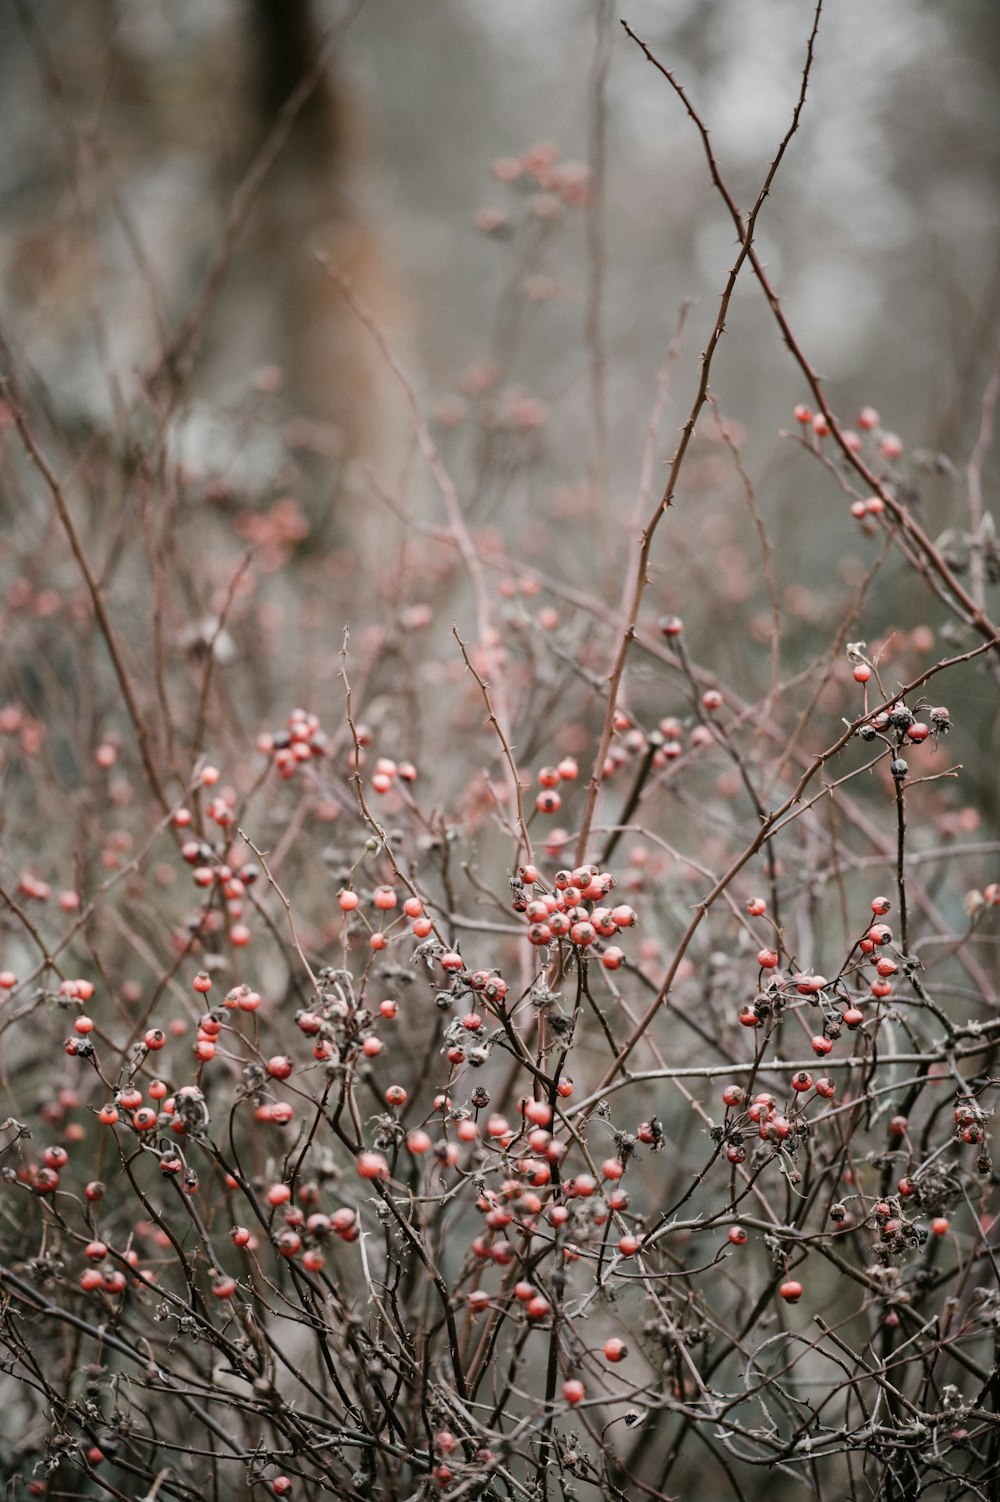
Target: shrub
x,y
551,1055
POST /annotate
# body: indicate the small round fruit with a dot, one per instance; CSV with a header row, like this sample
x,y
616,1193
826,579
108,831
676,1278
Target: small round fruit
x,y
372,1166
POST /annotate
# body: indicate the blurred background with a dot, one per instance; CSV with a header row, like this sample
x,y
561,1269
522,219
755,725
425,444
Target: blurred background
x,y
129,126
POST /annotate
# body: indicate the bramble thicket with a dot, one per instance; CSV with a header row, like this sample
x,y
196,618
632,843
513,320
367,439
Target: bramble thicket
x,y
499,991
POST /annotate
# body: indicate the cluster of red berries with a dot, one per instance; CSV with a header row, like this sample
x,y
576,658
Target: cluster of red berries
x,y
31,732
387,771
232,879
302,1236
176,1112
104,1274
899,727
302,740
385,900
773,1125
574,910
876,937
536,1192
889,445
548,799
664,744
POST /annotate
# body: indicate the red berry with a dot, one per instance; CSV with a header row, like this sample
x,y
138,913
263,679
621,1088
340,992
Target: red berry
x,y
791,1291
372,1166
